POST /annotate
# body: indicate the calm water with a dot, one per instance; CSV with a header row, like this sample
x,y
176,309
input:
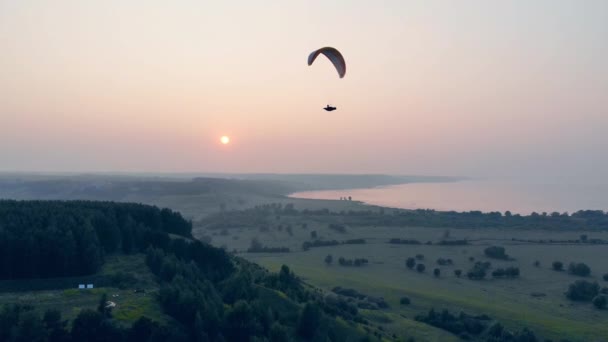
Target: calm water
x,y
517,197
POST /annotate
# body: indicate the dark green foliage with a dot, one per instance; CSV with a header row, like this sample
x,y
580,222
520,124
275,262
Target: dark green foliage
x,y
436,272
537,263
600,301
210,295
420,268
558,266
579,269
444,262
92,326
329,259
309,321
410,263
453,242
42,239
278,333
582,290
241,322
479,270
605,277
357,262
509,272
496,252
404,301
398,241
257,247
458,273
471,325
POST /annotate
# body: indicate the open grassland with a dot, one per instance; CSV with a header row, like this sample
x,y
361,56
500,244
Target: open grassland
x,y
509,301
71,300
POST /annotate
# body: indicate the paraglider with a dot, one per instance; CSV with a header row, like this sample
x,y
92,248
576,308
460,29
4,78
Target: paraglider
x,y
333,55
336,59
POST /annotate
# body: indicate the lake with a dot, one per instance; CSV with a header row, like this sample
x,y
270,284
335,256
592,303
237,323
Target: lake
x,y
518,197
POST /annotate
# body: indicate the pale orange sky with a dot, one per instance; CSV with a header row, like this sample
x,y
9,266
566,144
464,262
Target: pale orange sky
x,y
475,88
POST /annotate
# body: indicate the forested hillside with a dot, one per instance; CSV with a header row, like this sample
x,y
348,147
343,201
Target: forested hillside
x,y
208,294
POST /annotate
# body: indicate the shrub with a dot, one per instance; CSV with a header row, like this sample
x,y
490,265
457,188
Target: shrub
x,y
605,277
410,263
329,259
582,290
600,301
458,273
579,269
436,272
404,301
420,268
479,270
558,266
537,263
496,252
444,262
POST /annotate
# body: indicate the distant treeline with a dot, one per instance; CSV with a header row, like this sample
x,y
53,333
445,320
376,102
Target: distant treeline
x,y
583,219
42,239
306,245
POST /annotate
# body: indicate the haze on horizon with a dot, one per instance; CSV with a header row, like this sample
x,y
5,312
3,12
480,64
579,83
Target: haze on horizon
x,y
470,88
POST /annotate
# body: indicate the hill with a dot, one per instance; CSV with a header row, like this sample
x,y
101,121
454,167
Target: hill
x,y
153,282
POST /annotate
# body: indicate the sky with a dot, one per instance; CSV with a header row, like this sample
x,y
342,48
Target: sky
x,y
464,88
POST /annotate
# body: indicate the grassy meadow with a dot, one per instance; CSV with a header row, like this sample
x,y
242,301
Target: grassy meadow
x,y
548,313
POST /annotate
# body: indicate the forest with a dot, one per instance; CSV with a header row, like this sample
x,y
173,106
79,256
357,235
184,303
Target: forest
x,y
210,295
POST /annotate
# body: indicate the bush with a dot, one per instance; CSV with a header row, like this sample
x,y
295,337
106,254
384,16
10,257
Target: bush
x,y
537,263
458,273
410,263
600,301
558,266
444,262
329,259
437,272
479,271
582,290
579,269
496,252
404,301
605,277
420,268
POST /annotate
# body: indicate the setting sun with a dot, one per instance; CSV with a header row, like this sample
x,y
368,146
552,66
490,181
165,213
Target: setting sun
x,y
225,139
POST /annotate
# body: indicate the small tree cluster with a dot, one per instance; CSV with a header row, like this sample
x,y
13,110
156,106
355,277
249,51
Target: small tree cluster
x,y
579,269
582,290
479,270
496,252
558,266
509,272
444,262
358,262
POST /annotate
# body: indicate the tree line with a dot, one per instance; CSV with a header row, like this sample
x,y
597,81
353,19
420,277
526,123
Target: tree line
x,y
42,239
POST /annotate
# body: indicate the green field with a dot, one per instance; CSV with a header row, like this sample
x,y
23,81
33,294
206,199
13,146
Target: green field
x,y
506,300
70,301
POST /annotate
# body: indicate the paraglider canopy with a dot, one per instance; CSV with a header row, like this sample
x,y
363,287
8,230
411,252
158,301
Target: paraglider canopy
x,y
330,108
333,55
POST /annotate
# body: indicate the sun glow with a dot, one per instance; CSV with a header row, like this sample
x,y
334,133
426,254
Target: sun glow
x,y
225,139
